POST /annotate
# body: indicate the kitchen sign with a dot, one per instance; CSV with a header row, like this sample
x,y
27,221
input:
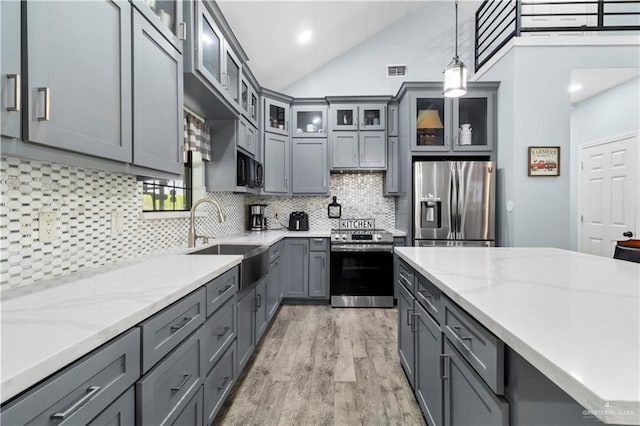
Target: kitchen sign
x,y
544,161
357,224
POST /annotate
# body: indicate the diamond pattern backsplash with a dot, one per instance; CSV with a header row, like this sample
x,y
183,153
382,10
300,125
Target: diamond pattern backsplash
x,y
83,200
360,195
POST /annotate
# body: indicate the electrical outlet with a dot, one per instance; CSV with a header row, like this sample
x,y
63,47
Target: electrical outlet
x,y
48,226
117,221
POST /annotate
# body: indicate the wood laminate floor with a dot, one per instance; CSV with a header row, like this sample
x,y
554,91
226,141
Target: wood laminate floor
x,y
324,366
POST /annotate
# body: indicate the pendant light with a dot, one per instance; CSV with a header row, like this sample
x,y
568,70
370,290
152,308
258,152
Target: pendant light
x,y
455,75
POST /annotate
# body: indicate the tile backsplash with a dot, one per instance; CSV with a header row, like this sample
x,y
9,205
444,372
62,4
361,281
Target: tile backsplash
x,y
360,195
84,199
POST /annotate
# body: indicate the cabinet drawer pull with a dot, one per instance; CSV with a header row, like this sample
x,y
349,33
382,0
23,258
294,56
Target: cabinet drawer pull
x,y
406,280
224,383
184,322
17,93
318,240
462,338
91,391
47,103
424,294
185,379
224,331
224,290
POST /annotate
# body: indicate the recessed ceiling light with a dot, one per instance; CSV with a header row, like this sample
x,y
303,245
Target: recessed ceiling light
x,y
304,36
575,87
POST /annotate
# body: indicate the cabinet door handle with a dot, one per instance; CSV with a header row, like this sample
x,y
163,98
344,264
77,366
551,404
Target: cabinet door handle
x,y
91,391
47,103
223,80
324,183
286,183
224,331
444,366
185,379
184,322
224,383
259,300
409,316
183,32
17,92
414,323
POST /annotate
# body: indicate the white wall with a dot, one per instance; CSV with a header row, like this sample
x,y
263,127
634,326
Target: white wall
x,y
535,110
610,113
424,41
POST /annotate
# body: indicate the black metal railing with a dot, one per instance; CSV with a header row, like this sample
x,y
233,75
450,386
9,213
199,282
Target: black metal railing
x,y
498,21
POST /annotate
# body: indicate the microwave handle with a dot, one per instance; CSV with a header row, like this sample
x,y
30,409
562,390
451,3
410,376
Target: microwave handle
x,y
243,172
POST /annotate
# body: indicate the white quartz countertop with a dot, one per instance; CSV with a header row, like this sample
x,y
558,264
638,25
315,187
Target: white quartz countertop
x,y
43,331
573,316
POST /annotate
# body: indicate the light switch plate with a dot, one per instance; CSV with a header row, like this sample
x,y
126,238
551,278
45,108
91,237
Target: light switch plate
x,y
48,226
117,221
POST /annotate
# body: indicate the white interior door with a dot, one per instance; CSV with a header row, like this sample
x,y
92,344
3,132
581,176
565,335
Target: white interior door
x,y
608,193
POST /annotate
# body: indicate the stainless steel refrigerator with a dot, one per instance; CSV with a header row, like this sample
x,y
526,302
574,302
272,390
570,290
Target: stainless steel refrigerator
x,y
454,203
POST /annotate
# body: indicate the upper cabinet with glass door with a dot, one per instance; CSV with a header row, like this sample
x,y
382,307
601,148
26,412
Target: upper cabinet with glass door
x,y
276,112
249,96
309,118
453,124
372,116
357,116
166,16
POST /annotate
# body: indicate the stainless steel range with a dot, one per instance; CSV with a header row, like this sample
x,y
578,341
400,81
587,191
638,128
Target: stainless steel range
x,y
361,268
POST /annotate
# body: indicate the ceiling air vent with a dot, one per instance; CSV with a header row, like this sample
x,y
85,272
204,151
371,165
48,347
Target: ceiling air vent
x,y
396,70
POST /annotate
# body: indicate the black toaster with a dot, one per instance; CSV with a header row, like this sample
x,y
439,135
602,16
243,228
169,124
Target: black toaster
x,y
298,221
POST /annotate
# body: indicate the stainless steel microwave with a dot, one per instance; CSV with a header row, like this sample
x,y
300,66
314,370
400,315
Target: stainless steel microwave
x,y
249,172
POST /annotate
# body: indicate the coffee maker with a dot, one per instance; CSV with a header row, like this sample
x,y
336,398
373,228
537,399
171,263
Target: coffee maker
x,y
257,217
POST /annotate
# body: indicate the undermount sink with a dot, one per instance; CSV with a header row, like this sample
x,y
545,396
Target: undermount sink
x,y
255,260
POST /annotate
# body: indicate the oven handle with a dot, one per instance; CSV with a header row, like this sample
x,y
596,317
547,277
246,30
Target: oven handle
x,y
386,248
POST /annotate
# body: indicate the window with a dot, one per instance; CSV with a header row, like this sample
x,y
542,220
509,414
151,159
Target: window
x,y
159,195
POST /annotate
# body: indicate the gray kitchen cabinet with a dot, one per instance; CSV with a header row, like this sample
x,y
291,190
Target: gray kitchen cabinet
x,y
372,116
392,176
157,99
454,125
343,117
318,275
467,399
249,94
78,87
296,267
165,390
232,75
262,313
309,168
121,412
246,326
221,289
166,16
274,286
10,57
428,378
247,137
344,150
276,163
218,333
373,150
219,383
392,118
81,391
406,341
276,115
309,118
191,414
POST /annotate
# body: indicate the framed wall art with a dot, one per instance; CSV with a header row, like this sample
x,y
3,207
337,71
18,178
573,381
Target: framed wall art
x,y
544,161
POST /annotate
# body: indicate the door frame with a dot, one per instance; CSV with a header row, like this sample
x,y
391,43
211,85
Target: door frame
x,y
635,163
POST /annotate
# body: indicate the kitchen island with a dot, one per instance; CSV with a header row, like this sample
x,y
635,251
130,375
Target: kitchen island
x,y
566,326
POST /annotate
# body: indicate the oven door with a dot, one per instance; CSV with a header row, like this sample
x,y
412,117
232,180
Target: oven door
x,y
361,278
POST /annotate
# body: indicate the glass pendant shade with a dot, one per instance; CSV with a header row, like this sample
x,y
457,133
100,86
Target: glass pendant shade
x,y
455,79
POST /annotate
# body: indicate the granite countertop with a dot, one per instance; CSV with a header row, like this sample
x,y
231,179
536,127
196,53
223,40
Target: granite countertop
x,y
573,316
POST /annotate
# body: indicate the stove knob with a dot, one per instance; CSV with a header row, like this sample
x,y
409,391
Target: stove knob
x,y
378,237
344,237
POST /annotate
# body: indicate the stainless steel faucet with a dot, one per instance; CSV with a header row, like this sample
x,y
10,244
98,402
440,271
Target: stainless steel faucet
x,y
193,237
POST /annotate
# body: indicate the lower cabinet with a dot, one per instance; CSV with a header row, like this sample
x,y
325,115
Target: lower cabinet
x,y
163,393
262,314
449,389
428,374
121,412
406,345
467,399
297,267
191,414
274,286
306,268
219,383
246,326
